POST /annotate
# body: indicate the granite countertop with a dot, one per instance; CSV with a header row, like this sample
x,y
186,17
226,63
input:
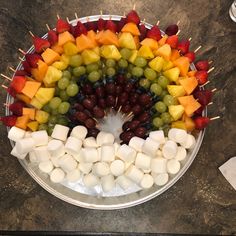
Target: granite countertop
x,y
201,202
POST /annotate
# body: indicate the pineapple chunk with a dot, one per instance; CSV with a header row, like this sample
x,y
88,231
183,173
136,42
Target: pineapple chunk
x,y
172,74
126,40
167,65
157,64
164,51
36,103
60,65
179,125
64,58
52,75
176,90
145,52
176,111
44,95
110,51
133,56
41,116
89,56
70,49
33,125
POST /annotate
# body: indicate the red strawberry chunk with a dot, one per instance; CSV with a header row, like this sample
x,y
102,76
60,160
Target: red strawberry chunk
x,y
101,24
201,122
154,33
190,56
201,76
91,26
62,26
52,37
121,23
18,83
172,41
199,111
80,29
133,17
40,44
143,31
203,96
8,120
183,46
111,25
12,91
32,59
202,65
17,108
172,30
26,67
21,72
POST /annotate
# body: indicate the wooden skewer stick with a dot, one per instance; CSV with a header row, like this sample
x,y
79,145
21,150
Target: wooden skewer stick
x,y
4,86
211,69
58,17
190,39
210,103
76,16
134,7
158,22
197,48
67,18
205,83
48,27
178,32
6,77
30,32
144,21
178,22
87,18
119,109
6,104
101,12
213,90
21,59
124,14
210,62
12,69
21,51
215,118
130,114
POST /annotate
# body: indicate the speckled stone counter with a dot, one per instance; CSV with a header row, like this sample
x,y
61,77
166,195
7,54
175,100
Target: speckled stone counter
x,y
201,202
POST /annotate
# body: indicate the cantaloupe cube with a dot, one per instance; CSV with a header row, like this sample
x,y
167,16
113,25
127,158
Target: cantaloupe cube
x,y
131,28
146,52
192,73
23,98
31,88
29,111
39,72
41,116
107,37
22,121
65,37
84,42
164,51
57,48
189,123
136,40
189,84
183,64
151,43
174,54
36,103
33,125
162,41
190,104
92,35
44,95
50,56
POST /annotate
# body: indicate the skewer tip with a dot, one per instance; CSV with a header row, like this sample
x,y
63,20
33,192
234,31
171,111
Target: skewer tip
x,y
178,22
211,69
158,22
30,32
178,32
48,27
198,48
215,118
58,17
134,7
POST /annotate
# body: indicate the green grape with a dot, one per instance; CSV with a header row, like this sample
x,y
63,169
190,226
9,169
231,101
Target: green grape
x,y
64,96
50,130
166,117
130,67
54,103
150,73
137,71
62,120
72,89
169,100
125,53
57,91
164,93
78,71
70,69
156,88
94,76
100,72
157,122
64,107
122,63
47,108
92,67
66,74
63,83
52,120
160,107
140,61
76,60
43,127
110,62
163,81
145,83
54,112
111,71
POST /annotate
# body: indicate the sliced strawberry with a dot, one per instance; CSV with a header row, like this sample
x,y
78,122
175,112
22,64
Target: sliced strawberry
x,y
111,25
202,65
8,120
12,91
18,83
121,23
172,41
201,76
52,37
143,31
101,24
171,30
183,46
32,59
133,17
17,108
26,67
190,56
154,33
203,96
40,44
201,122
62,26
80,29
91,26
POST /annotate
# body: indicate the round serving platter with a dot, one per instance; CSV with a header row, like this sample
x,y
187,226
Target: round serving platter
x,y
79,195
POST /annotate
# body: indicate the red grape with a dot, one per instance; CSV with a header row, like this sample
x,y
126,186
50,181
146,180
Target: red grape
x,y
90,123
88,103
129,87
88,89
110,88
110,101
144,99
126,125
121,79
118,89
93,97
136,109
126,136
126,108
81,116
140,132
100,91
78,107
133,98
93,132
98,112
144,117
134,124
102,103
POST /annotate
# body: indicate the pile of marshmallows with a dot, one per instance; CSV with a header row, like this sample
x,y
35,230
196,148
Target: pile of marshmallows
x,y
102,160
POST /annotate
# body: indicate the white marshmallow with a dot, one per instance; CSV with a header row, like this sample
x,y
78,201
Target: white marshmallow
x,y
79,132
56,148
90,180
108,183
57,175
16,133
90,142
78,157
42,153
60,132
124,182
159,153
127,165
177,135
73,145
136,143
55,161
181,153
117,167
101,169
73,176
104,138
89,154
17,154
126,153
158,136
189,142
116,147
40,137
173,166
150,147
107,153
67,163
143,161
134,174
158,165
32,157
46,166
147,181
85,167
99,149
169,149
161,179
25,145
28,134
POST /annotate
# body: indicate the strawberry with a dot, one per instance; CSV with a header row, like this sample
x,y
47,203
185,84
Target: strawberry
x,y
190,56
21,72
203,96
80,29
154,33
133,17
121,23
201,76
16,108
12,91
201,122
26,67
8,120
199,111
172,41
101,24
111,25
143,31
40,44
171,30
202,65
91,26
62,26
52,37
183,46
18,83
32,59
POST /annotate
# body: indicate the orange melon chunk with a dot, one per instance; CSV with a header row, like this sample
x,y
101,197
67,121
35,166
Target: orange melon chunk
x,y
39,72
57,48
23,98
29,111
22,122
64,38
31,88
131,28
192,73
189,123
189,84
151,43
107,37
183,64
92,35
174,54
84,42
50,56
190,104
162,41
